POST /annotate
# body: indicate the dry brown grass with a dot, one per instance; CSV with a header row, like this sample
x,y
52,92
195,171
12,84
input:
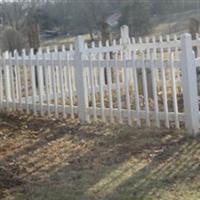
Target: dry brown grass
x,y
55,159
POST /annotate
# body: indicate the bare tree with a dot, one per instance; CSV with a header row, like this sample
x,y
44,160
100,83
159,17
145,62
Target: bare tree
x,y
21,17
94,14
13,13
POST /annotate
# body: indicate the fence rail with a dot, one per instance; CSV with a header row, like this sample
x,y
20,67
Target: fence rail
x,y
149,82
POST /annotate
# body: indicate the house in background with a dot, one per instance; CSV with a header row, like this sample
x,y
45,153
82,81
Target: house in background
x,y
113,20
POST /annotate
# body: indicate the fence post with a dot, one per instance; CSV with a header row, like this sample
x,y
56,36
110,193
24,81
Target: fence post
x,y
80,78
7,76
190,96
125,35
125,41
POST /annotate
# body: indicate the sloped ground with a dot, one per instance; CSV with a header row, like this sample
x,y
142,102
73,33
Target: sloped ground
x,y
171,24
44,159
176,23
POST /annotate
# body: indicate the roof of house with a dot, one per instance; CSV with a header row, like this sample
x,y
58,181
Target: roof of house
x,y
113,19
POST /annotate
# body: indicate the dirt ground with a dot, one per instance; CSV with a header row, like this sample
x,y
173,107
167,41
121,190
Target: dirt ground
x,y
44,159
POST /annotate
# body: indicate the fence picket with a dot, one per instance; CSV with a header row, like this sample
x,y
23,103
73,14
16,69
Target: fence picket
x,y
12,84
119,103
46,79
148,71
174,94
145,90
1,83
25,80
49,72
136,89
92,87
155,57
122,69
87,70
64,64
163,77
57,69
95,69
61,79
154,87
127,88
40,81
6,79
73,82
109,85
33,81
16,79
101,83
70,89
176,57
54,85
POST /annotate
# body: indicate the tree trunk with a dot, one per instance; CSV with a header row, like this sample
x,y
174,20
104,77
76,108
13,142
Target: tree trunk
x,y
34,42
91,35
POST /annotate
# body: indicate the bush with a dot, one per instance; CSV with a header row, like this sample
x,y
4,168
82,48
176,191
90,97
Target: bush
x,y
12,40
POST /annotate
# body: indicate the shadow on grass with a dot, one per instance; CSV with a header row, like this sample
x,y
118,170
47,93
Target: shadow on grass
x,y
127,163
178,164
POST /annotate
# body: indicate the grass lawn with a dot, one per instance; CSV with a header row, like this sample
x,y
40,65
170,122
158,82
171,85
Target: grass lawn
x,y
64,40
42,159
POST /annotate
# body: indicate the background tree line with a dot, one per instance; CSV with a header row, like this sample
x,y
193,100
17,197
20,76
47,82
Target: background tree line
x,y
23,20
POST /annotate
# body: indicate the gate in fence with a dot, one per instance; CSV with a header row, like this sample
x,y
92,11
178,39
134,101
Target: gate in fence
x,y
152,82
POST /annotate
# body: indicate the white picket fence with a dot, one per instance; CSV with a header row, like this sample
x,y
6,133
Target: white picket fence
x,y
151,82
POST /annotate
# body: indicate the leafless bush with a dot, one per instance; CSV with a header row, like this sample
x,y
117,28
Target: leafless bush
x,y
11,40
